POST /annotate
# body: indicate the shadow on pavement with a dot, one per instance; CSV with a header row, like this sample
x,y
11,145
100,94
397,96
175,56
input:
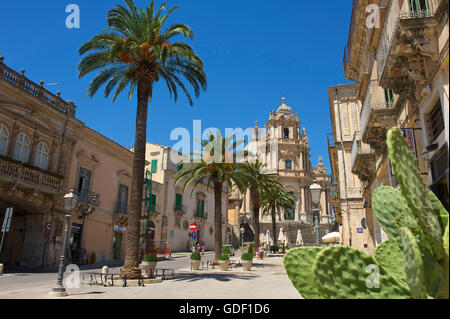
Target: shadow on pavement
x,y
217,276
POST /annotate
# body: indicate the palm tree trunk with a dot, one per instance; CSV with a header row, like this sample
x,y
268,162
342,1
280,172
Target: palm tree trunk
x,y
274,227
131,265
255,197
217,220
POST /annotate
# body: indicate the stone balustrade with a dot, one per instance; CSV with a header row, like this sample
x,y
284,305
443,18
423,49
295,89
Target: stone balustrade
x,y
21,82
13,171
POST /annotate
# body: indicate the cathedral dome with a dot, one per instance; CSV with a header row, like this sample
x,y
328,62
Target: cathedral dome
x,y
284,108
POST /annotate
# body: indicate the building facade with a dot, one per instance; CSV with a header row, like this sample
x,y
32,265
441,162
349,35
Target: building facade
x,y
44,153
289,160
168,210
400,68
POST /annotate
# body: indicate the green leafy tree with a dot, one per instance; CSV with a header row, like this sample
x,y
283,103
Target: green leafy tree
x,y
276,198
134,53
215,164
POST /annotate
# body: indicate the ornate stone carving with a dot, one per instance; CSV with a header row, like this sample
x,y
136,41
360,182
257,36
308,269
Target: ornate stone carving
x,y
320,169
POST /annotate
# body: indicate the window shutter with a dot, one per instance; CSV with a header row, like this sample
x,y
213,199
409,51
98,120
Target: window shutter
x,y
154,166
179,198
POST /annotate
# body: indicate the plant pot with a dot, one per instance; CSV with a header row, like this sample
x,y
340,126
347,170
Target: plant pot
x,y
196,264
148,268
224,264
247,264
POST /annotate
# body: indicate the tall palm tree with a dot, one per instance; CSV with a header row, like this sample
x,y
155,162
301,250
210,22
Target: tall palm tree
x,y
214,167
252,178
135,52
276,198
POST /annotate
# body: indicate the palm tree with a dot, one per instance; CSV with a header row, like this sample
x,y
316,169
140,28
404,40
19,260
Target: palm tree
x,y
276,198
216,168
253,179
134,52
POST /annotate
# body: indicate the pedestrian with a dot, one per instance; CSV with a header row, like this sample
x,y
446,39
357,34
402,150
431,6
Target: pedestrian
x,y
198,248
261,252
203,249
188,246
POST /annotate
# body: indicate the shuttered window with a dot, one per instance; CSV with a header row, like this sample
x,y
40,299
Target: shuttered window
x,y
178,201
435,122
154,166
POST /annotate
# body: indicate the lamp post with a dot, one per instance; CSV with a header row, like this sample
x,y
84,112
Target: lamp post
x,y
315,195
70,202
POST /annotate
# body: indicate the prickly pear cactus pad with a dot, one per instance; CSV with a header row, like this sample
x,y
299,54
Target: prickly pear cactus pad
x,y
392,211
414,266
298,264
347,273
390,257
414,190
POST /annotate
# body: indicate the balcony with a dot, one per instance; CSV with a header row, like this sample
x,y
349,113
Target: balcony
x,y
89,198
362,159
19,81
408,46
378,114
180,209
201,215
29,176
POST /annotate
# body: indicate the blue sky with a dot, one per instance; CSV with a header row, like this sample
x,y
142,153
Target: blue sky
x,y
254,51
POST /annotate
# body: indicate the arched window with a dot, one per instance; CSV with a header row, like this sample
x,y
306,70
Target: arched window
x,y
4,136
41,156
22,148
288,164
286,133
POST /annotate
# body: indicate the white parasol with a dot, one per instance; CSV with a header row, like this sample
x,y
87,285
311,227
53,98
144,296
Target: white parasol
x,y
331,238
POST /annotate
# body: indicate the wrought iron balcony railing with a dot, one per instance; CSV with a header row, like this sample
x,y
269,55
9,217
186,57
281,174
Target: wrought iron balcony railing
x,y
396,11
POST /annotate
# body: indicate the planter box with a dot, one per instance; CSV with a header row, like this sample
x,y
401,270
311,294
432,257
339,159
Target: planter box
x,y
196,264
247,264
148,268
224,264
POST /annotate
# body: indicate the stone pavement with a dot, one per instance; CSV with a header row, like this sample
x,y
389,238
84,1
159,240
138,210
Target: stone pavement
x,y
266,280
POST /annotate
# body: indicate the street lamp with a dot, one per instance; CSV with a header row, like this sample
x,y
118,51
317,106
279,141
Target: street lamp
x,y
242,230
315,196
70,202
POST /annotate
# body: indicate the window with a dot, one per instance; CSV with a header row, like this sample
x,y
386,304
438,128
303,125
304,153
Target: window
x,y
41,156
435,122
288,164
22,148
418,5
153,203
286,133
178,201
389,97
122,202
4,136
84,181
154,166
201,208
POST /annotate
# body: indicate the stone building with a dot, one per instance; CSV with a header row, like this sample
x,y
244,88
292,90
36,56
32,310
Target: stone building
x,y
171,210
290,161
347,197
400,70
44,152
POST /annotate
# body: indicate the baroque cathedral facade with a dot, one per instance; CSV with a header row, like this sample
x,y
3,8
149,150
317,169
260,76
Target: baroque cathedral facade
x,y
291,164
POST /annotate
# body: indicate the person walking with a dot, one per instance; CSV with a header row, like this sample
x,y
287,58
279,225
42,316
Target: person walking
x,y
203,249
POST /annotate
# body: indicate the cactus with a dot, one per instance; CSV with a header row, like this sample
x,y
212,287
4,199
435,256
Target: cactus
x,y
414,267
391,210
390,257
297,263
414,190
344,272
417,250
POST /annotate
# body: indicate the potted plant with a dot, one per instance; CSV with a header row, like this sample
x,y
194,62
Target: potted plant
x,y
247,261
149,265
224,261
195,260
